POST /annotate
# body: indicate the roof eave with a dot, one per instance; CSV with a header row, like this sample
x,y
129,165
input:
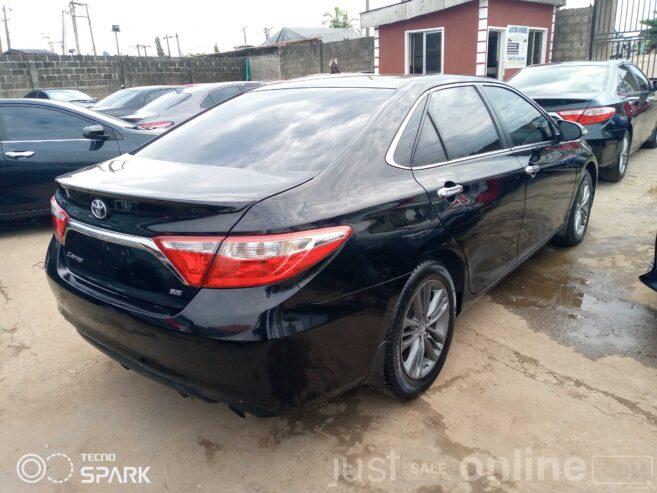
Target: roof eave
x,y
404,11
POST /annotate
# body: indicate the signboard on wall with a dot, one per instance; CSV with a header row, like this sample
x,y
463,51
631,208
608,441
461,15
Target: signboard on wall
x,y
515,48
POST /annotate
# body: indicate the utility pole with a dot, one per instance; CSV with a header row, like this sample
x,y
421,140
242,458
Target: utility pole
x,y
367,8
74,16
139,47
75,25
178,43
244,33
116,30
267,30
166,36
5,19
51,45
64,12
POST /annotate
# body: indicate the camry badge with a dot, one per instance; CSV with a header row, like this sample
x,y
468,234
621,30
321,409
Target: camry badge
x,y
99,209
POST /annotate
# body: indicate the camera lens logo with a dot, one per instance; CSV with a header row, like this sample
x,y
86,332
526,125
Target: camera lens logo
x,y
32,468
99,209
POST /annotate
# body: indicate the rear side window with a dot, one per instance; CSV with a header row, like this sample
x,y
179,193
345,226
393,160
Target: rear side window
x,y
628,79
463,124
524,123
404,149
33,123
219,96
284,129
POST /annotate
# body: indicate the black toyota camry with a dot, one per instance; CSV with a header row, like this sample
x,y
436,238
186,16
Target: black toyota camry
x,y
312,236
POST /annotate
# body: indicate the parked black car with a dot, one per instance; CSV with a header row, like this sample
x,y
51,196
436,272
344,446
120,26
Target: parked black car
x,y
184,102
311,236
127,101
650,278
613,100
65,95
40,140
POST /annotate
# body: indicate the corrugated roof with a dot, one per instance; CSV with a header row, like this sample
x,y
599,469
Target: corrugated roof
x,y
408,9
28,51
326,34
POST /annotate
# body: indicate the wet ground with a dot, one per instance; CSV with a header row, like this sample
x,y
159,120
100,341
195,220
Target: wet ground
x,y
550,385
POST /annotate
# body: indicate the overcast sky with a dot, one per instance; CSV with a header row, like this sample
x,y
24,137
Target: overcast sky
x,y
199,23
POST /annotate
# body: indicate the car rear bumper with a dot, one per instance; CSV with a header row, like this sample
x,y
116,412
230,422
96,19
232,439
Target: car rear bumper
x,y
264,362
650,278
605,144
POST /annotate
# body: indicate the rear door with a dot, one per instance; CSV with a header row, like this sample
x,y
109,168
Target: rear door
x,y
40,143
476,185
636,105
647,102
550,170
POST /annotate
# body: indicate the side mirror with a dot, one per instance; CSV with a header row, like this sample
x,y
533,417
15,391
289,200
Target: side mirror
x,y
94,132
653,84
570,130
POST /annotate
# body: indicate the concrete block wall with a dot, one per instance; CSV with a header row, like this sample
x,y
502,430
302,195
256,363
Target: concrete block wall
x,y
354,55
301,59
572,34
265,67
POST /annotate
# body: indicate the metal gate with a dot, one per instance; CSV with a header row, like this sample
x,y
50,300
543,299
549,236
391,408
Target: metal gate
x,y
619,30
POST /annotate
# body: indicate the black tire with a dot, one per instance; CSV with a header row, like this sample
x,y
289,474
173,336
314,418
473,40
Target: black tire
x,y
617,171
651,143
396,379
573,232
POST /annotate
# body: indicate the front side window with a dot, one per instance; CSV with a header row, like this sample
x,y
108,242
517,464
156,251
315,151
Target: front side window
x,y
425,52
277,129
33,123
524,123
462,125
644,85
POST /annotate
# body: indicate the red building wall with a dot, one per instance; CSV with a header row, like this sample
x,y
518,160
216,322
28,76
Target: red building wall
x,y
502,13
460,35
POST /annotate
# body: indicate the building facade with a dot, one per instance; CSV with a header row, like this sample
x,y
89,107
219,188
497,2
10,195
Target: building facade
x,y
494,38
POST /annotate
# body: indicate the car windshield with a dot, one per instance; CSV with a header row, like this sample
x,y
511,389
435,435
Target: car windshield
x,y
68,95
165,102
118,99
556,79
283,129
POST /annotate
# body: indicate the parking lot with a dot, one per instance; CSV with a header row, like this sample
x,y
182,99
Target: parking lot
x,y
558,362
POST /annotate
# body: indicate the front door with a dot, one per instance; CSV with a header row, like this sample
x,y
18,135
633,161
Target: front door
x,y
40,143
475,185
550,168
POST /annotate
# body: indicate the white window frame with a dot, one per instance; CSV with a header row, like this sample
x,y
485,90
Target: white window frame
x,y
441,30
500,49
543,41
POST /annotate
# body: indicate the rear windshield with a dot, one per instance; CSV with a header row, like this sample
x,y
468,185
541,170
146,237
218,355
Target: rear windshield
x,y
118,99
285,129
554,79
67,95
165,102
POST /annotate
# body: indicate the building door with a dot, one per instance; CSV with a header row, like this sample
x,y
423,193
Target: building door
x,y
494,57
424,52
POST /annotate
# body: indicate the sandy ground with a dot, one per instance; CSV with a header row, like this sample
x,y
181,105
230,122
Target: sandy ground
x,y
550,385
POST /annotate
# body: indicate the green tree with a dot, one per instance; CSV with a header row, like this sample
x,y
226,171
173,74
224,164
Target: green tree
x,y
650,32
158,47
216,48
338,18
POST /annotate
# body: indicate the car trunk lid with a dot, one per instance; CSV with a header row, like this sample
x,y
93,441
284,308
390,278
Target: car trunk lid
x,y
114,253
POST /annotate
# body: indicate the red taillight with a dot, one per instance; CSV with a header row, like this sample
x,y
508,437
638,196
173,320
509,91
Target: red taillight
x,y
588,116
242,261
154,125
59,219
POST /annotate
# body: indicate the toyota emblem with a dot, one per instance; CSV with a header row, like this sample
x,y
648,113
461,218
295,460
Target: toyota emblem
x,y
99,209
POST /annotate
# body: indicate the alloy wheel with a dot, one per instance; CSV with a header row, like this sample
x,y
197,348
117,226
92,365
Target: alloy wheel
x,y
426,324
583,206
624,155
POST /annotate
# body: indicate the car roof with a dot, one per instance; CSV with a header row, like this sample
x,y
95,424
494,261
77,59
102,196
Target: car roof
x,y
146,88
601,63
373,81
204,87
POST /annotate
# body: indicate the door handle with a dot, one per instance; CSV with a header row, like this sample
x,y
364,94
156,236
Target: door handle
x,y
447,192
19,154
532,169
